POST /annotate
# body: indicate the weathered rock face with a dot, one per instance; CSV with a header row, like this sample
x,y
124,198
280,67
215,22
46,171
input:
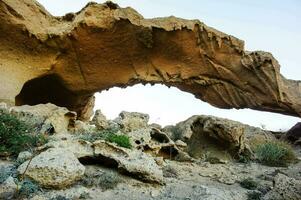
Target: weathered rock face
x,y
294,134
65,60
54,168
285,188
212,137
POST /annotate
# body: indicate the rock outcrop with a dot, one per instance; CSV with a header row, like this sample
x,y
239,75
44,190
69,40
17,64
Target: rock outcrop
x,y
54,168
65,60
210,137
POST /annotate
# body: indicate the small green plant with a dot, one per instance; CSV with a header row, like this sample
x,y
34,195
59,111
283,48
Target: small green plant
x,y
16,135
275,153
105,180
108,135
254,195
249,184
120,140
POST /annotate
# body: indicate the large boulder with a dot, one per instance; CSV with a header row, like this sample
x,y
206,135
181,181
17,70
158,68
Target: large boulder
x,y
293,135
54,168
46,116
212,137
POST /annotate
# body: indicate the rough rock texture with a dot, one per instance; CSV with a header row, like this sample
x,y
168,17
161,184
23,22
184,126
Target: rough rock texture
x,y
294,134
131,121
134,162
65,60
211,137
46,116
100,121
8,188
285,188
54,168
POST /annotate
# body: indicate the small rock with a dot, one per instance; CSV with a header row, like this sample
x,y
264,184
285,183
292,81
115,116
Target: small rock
x,y
100,121
23,156
8,189
181,144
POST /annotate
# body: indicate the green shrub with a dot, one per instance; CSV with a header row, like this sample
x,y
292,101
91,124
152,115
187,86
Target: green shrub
x,y
254,195
120,140
275,153
249,184
16,135
107,135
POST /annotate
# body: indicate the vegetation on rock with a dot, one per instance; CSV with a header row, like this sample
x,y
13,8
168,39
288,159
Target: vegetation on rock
x,y
254,195
17,135
275,153
27,188
108,135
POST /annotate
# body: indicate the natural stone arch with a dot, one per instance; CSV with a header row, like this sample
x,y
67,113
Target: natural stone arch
x,y
103,46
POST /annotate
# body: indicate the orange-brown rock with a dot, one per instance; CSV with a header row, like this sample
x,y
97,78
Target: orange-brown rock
x,y
65,60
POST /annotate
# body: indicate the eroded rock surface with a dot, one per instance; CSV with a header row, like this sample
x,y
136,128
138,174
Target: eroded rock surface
x,y
54,168
65,60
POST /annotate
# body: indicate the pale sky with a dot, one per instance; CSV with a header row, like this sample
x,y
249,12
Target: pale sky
x,y
269,25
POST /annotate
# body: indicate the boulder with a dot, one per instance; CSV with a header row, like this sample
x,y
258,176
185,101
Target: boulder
x,y
131,121
100,121
285,188
8,189
133,162
48,117
216,138
53,168
293,135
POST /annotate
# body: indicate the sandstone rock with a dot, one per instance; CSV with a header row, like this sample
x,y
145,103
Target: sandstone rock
x,y
131,121
45,116
134,162
285,188
78,147
209,137
23,156
68,64
81,127
54,168
294,134
100,121
8,189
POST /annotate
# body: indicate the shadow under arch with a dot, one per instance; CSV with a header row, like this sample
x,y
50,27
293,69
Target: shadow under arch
x,y
48,89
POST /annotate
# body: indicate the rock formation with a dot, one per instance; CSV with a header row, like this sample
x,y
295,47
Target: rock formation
x,y
65,60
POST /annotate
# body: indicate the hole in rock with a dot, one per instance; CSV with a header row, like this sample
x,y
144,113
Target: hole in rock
x,y
99,160
168,106
168,152
45,89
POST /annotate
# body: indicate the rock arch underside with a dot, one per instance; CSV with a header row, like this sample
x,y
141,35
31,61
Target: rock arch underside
x,y
65,60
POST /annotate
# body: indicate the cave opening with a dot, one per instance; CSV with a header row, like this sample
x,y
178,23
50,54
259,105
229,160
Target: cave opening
x,y
46,89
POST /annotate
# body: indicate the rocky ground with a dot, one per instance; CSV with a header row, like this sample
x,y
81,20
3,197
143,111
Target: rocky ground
x,y
203,157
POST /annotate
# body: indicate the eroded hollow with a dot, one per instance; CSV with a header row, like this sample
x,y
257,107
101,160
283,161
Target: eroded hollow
x,y
47,89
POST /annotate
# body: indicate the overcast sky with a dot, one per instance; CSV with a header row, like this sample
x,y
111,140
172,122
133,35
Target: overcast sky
x,y
269,25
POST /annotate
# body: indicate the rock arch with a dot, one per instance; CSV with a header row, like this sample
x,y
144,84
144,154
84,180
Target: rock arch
x,y
103,46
